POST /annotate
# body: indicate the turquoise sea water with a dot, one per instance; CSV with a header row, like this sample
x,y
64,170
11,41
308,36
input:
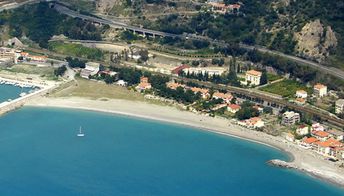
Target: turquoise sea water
x,y
11,92
41,155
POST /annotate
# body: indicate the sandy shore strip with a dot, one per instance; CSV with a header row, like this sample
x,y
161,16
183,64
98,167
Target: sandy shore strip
x,y
301,159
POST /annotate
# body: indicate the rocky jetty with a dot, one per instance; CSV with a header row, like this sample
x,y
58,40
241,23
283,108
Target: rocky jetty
x,y
283,164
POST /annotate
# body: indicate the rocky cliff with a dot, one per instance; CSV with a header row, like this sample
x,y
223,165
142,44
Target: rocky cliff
x,y
315,41
104,6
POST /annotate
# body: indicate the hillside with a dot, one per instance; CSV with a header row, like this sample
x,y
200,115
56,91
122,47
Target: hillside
x,y
312,29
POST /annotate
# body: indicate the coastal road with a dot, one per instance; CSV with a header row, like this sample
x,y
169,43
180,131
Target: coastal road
x,y
119,24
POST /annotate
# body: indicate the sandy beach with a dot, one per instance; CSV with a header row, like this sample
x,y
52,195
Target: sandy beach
x,y
301,159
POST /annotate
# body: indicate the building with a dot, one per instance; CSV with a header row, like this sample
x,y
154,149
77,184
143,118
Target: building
x,y
301,94
302,130
320,90
338,135
253,77
290,118
178,70
258,108
204,92
340,106
300,101
255,122
219,106
39,59
143,85
290,137
320,135
222,8
225,97
174,85
90,69
329,147
309,143
121,83
211,71
233,108
317,127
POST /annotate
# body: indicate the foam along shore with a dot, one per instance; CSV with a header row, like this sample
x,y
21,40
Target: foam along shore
x,y
300,159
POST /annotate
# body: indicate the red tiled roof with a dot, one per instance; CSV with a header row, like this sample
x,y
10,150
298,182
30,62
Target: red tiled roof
x,y
180,68
320,133
319,86
254,73
234,106
310,140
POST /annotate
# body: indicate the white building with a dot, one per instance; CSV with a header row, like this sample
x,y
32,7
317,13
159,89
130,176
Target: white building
x,y
233,108
302,130
320,90
253,77
90,69
290,118
211,71
339,106
301,94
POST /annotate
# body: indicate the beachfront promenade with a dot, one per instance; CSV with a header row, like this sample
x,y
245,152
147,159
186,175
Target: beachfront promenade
x,y
8,106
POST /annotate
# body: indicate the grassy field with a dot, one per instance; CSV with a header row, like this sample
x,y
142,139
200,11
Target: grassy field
x,y
47,72
285,88
97,90
77,50
273,77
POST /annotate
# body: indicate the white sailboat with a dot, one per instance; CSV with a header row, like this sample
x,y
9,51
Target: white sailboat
x,y
80,134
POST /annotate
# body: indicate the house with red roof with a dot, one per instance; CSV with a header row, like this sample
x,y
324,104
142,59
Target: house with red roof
x,y
233,108
143,85
203,91
329,147
309,143
253,77
321,135
226,97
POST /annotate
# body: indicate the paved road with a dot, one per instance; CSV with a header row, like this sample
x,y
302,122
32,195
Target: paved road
x,y
117,24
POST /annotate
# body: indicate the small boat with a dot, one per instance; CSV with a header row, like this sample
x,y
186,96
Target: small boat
x,y
22,94
80,134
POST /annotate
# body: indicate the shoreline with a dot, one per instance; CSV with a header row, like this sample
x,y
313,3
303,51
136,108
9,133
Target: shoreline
x,y
299,159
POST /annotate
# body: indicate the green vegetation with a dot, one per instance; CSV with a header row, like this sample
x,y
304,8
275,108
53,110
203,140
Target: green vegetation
x,y
273,77
270,23
47,72
75,62
247,111
285,88
60,70
39,23
77,50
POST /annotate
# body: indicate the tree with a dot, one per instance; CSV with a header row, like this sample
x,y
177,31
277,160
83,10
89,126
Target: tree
x,y
264,78
60,71
144,55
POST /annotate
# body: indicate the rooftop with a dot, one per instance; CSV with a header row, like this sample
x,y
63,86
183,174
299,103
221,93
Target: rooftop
x,y
310,140
319,86
320,133
254,73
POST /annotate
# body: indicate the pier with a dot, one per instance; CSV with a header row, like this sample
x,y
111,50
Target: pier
x,y
8,106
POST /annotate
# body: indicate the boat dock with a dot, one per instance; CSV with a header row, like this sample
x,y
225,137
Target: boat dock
x,y
10,105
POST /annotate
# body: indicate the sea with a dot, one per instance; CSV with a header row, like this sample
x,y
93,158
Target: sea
x,y
40,154
11,92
